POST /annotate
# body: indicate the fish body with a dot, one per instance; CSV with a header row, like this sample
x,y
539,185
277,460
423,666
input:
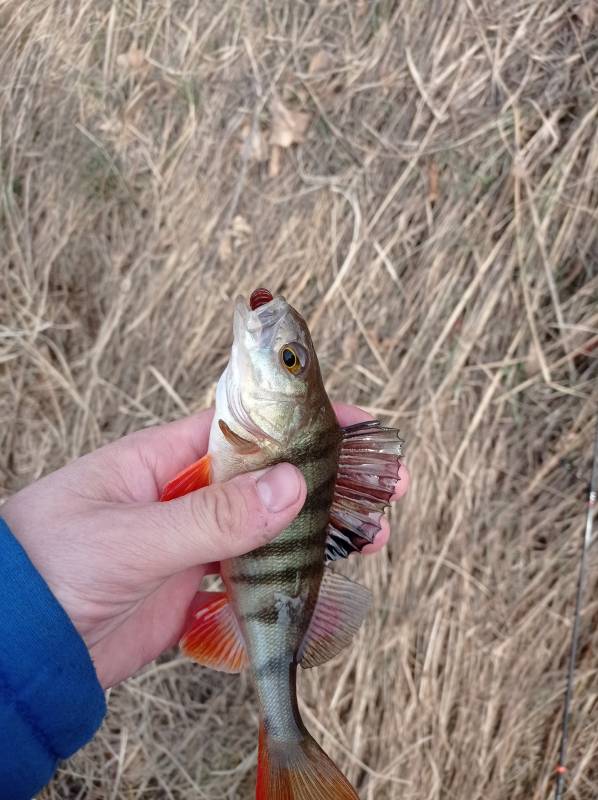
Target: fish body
x,y
274,589
281,606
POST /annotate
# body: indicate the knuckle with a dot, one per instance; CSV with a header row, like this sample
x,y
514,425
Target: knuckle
x,y
227,509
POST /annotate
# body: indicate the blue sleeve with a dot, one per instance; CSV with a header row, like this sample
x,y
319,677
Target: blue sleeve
x,y
51,702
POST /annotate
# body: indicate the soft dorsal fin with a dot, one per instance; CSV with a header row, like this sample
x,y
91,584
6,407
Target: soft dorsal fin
x,y
369,466
341,608
195,476
213,637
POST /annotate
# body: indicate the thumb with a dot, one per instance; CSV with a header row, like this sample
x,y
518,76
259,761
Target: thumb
x,y
224,519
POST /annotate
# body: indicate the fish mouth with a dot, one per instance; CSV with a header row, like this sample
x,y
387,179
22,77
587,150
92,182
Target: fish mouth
x,y
259,316
255,323
260,297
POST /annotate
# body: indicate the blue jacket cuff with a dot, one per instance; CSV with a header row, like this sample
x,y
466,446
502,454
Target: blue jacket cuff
x,y
51,702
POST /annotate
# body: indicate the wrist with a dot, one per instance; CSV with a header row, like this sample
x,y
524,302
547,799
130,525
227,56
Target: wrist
x,y
52,702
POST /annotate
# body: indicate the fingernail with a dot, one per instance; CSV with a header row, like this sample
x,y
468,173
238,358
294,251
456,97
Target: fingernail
x,y
280,487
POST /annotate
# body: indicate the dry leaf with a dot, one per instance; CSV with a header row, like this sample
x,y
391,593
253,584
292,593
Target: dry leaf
x,y
432,182
350,345
136,57
113,127
319,62
258,147
361,8
235,236
301,95
133,59
225,250
518,168
586,12
288,127
274,165
531,365
241,229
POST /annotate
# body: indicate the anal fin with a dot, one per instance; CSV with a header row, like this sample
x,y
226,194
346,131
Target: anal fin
x,y
213,637
341,608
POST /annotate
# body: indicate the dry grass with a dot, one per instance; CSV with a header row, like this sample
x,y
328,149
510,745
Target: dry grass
x,y
438,229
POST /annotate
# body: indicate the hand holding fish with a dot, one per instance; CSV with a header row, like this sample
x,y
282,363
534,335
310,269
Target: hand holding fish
x,y
126,567
273,461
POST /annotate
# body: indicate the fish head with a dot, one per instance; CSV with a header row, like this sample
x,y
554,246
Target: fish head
x,y
272,387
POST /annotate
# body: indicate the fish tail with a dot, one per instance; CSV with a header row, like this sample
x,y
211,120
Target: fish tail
x,y
298,770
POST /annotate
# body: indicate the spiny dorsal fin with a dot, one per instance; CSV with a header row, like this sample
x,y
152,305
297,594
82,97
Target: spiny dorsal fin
x,y
341,608
369,466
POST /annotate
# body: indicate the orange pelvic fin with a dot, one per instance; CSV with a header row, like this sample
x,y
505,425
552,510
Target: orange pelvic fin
x,y
213,637
298,771
193,477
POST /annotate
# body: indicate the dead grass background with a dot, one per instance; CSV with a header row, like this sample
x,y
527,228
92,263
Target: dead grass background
x,y
437,226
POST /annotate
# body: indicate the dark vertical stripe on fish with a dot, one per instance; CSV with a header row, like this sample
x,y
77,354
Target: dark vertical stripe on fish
x,y
272,666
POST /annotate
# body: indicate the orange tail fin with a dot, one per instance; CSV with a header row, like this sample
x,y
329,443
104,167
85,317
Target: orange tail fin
x,y
298,771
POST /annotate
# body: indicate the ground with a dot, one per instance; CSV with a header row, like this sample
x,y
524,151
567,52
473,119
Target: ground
x,y
420,180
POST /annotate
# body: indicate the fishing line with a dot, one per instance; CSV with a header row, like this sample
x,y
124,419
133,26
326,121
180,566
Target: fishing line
x,y
561,769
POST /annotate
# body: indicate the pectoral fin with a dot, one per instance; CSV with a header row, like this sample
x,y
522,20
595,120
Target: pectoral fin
x,y
341,608
213,638
195,476
369,467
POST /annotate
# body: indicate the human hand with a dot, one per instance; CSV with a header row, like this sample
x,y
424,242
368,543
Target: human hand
x,y
125,567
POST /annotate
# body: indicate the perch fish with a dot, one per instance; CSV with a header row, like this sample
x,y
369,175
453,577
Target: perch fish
x,y
283,605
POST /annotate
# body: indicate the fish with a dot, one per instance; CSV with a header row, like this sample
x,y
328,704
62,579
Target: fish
x,y
283,604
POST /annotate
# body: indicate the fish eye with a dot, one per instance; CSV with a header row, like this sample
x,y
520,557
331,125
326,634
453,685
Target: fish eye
x,y
290,359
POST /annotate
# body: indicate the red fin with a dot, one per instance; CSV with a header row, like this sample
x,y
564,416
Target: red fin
x,y
340,610
213,637
193,477
298,770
